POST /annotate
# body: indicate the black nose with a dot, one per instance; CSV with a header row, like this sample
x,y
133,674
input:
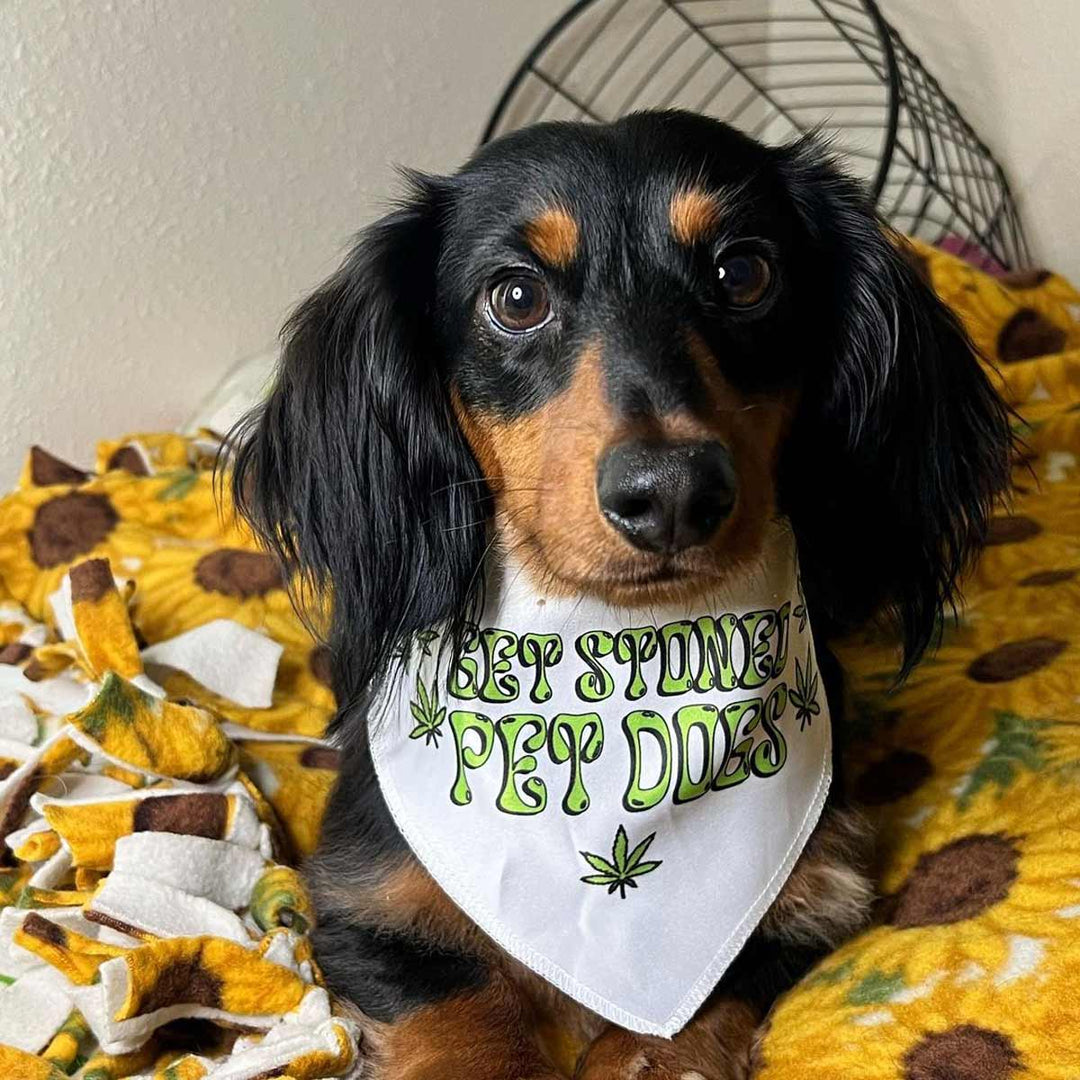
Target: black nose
x,y
668,496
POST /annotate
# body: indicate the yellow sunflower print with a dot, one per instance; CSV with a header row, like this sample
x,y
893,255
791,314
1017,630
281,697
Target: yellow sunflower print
x,y
972,770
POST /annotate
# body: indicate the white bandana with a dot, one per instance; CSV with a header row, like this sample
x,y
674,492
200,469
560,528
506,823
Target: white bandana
x,y
616,796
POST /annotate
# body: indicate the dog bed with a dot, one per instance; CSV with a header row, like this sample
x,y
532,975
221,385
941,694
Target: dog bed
x,y
161,708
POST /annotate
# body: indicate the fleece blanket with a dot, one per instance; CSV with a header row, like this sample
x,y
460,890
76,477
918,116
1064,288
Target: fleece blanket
x,y
162,772
972,769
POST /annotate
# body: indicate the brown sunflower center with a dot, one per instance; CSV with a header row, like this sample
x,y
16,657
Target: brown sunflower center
x,y
188,815
1011,529
1027,334
70,525
319,662
46,469
957,882
321,757
966,1052
1048,577
1015,659
130,460
235,572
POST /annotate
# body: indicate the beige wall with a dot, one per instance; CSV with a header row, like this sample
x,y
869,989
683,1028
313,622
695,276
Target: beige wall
x,y
175,173
1013,68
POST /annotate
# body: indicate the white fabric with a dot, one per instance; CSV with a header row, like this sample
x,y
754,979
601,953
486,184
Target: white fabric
x,y
233,661
51,873
57,696
282,1045
164,911
33,1009
63,609
230,659
501,800
17,720
222,872
243,733
14,959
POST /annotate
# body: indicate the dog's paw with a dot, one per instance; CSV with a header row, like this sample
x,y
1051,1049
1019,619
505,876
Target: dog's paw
x,y
621,1055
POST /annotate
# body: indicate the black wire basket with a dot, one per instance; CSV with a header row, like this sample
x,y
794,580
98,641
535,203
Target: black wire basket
x,y
775,69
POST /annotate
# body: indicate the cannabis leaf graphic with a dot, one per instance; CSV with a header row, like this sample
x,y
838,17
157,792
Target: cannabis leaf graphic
x,y
804,695
623,868
1017,744
428,714
403,650
181,481
876,988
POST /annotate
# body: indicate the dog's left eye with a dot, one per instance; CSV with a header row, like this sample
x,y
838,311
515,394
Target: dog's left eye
x,y
519,303
745,277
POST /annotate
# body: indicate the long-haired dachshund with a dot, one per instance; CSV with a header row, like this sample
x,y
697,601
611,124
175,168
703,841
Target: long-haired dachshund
x,y
618,351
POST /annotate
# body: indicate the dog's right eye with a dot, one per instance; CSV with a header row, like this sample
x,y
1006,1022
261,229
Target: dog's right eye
x,y
519,303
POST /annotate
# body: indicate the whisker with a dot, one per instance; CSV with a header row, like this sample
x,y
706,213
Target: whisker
x,y
481,480
463,525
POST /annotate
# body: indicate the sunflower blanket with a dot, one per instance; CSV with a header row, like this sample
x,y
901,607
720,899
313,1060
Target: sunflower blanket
x,y
161,772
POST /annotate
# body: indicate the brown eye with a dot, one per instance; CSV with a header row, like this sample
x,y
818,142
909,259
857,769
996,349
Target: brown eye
x,y
745,278
519,303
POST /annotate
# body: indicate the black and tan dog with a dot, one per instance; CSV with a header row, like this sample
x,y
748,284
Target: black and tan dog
x,y
617,351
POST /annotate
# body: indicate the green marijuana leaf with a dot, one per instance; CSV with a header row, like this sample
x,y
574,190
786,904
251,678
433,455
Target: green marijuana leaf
x,y
830,976
876,988
623,868
1016,744
804,696
428,714
181,481
403,650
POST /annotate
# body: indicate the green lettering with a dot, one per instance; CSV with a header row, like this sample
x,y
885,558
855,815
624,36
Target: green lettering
x,y
569,742
759,626
499,647
596,684
717,668
465,666
688,719
636,724
510,800
783,639
635,647
461,723
542,651
675,675
740,717
769,756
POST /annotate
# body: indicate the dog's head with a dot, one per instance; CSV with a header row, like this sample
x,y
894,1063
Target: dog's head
x,y
619,351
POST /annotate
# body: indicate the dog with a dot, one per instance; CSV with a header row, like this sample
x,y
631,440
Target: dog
x,y
619,351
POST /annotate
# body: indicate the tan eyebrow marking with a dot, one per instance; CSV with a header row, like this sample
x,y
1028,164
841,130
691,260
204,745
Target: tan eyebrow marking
x,y
693,214
554,236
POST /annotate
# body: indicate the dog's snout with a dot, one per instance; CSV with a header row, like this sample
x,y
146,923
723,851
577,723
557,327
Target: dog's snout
x,y
669,496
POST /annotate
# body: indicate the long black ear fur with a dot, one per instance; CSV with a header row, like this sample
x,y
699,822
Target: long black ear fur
x,y
354,471
901,445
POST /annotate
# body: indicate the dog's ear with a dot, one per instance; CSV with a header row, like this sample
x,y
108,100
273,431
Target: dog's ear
x,y
354,471
901,445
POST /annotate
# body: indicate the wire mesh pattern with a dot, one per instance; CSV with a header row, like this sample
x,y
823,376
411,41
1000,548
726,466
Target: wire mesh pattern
x,y
776,69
